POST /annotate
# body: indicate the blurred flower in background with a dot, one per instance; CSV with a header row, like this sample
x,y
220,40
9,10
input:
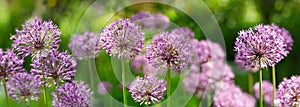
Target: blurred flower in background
x,y
267,91
148,21
104,87
85,46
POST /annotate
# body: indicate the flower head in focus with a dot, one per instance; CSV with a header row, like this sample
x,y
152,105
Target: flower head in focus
x,y
74,94
10,63
122,39
57,66
36,37
288,92
23,86
85,46
170,51
147,90
259,48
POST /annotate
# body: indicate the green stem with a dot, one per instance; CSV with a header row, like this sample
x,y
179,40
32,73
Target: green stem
x,y
124,84
91,75
27,103
208,99
260,89
6,96
274,84
250,83
169,87
45,89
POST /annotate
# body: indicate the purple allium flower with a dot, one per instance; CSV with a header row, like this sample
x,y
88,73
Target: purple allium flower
x,y
75,94
85,46
57,66
156,21
36,37
286,35
267,91
288,92
232,96
10,63
122,39
184,31
139,63
104,87
147,90
215,74
191,81
259,48
23,86
140,16
208,51
170,51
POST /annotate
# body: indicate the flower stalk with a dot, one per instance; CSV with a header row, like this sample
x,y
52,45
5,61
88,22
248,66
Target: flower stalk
x,y
274,84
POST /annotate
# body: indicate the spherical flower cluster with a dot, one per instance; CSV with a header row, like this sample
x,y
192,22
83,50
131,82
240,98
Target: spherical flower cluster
x,y
57,66
232,96
152,22
23,86
139,63
288,92
215,74
147,90
191,82
104,87
85,46
267,91
259,48
10,64
286,35
36,37
184,31
208,51
169,50
74,94
122,39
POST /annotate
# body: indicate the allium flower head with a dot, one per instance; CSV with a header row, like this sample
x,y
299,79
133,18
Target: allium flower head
x,y
156,21
10,63
74,94
267,91
184,31
191,82
286,35
288,92
232,96
168,50
104,87
208,51
85,46
147,90
122,39
259,48
57,66
140,63
36,37
23,86
215,74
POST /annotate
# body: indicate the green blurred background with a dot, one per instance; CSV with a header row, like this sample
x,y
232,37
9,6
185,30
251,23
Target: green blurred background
x,y
72,17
